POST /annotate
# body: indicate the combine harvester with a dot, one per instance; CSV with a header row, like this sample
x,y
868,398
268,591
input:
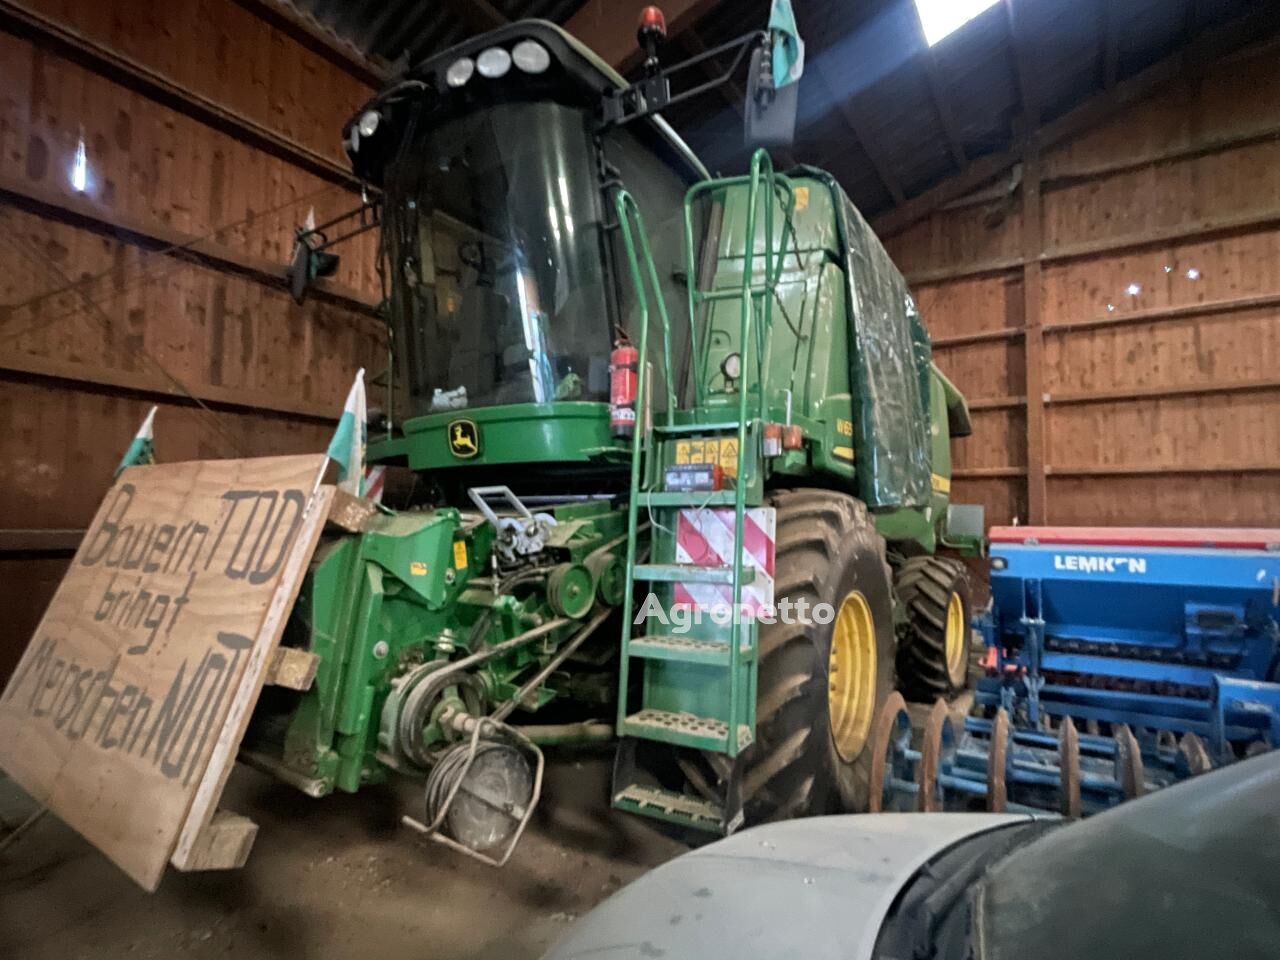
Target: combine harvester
x,y
1167,639
568,455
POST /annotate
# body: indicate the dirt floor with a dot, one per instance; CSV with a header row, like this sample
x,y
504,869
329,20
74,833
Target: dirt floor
x,y
333,878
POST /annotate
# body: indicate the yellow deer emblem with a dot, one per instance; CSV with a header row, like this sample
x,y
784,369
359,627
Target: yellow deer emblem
x,y
463,439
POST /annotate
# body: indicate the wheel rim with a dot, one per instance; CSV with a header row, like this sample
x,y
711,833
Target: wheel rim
x,y
851,677
955,640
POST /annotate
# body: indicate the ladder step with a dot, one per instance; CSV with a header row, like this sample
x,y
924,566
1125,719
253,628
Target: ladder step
x,y
686,650
684,730
673,807
675,498
690,573
674,429
731,293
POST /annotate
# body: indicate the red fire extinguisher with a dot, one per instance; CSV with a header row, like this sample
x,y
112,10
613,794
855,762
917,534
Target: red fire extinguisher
x,y
624,364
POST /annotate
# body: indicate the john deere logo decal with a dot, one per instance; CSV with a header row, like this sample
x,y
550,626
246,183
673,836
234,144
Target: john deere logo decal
x,y
464,439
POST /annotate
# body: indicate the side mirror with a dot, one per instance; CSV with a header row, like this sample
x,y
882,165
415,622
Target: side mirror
x,y
308,264
769,115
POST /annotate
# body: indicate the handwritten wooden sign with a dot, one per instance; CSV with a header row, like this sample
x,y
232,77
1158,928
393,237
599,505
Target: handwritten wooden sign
x,y
126,711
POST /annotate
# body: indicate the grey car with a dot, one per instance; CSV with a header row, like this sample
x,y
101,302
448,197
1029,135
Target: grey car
x,y
1192,871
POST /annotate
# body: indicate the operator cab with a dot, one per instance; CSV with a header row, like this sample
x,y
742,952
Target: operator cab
x,y
503,265
503,269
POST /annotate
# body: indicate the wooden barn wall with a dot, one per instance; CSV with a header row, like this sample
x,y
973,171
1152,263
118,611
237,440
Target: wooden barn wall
x,y
100,315
1115,322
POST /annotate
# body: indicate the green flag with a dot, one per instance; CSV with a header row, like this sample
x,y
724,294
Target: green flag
x,y
346,449
142,450
788,48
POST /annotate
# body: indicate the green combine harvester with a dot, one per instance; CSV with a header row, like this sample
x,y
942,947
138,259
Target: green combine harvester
x,y
573,454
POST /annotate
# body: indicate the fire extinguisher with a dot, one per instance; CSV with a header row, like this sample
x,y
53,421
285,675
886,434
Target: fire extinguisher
x,y
624,364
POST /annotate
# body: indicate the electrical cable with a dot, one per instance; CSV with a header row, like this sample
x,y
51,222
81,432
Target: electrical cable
x,y
178,247
38,256
144,276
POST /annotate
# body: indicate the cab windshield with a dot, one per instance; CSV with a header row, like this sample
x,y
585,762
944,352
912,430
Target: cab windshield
x,y
497,270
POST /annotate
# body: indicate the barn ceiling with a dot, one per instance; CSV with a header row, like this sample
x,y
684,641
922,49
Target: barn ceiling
x,y
890,116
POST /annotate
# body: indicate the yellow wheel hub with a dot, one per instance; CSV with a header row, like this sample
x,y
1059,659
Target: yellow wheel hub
x,y
955,633
851,674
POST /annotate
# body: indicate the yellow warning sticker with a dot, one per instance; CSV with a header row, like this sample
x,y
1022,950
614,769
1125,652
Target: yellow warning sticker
x,y
723,452
941,484
802,198
728,456
844,453
459,554
418,568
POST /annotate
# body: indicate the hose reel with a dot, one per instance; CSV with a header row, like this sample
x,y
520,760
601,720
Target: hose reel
x,y
482,792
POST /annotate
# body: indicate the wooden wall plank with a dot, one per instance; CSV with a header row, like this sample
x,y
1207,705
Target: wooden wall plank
x,y
1171,499
1205,313
59,446
158,166
205,327
222,334
222,51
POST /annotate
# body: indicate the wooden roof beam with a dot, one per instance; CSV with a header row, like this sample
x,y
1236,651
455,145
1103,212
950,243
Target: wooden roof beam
x,y
1110,44
1213,44
319,39
942,105
478,15
1028,91
849,113
713,69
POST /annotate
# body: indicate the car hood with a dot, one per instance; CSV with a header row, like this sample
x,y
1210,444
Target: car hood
x,y
815,888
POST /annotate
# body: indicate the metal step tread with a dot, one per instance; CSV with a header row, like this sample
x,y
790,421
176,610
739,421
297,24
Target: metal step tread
x,y
667,804
676,498
684,729
687,650
690,573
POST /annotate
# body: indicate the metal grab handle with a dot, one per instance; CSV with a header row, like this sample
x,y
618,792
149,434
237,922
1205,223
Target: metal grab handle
x,y
478,494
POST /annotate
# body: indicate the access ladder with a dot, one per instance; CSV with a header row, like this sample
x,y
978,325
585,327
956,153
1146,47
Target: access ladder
x,y
698,688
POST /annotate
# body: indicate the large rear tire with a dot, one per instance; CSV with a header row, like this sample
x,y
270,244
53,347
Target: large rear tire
x,y
933,650
820,684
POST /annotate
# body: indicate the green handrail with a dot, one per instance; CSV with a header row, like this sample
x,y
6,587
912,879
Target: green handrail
x,y
636,244
629,216
759,161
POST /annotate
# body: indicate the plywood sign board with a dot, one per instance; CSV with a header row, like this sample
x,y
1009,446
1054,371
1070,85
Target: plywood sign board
x,y
127,708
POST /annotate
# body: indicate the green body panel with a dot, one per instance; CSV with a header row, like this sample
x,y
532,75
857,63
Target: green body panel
x,y
564,432
807,357
414,588
774,292
410,590
780,270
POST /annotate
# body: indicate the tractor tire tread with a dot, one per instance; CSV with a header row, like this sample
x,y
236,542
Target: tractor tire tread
x,y
925,586
786,772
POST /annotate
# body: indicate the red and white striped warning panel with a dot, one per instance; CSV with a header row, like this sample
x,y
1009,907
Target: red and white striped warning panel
x,y
374,479
704,538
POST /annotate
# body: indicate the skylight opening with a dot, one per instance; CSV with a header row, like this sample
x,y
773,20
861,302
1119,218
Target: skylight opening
x,y
941,18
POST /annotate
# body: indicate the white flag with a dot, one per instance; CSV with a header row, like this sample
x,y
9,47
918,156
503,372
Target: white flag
x,y
347,447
